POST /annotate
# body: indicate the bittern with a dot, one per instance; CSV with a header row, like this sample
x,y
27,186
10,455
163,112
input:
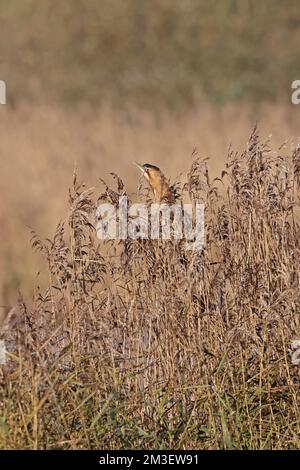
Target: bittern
x,y
157,181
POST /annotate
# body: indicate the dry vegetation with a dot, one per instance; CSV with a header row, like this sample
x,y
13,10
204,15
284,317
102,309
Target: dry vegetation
x,y
40,145
143,345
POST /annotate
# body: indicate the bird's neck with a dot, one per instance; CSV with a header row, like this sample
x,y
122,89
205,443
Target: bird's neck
x,y
163,193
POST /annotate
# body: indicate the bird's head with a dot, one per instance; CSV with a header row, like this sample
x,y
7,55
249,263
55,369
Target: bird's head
x,y
151,172
156,181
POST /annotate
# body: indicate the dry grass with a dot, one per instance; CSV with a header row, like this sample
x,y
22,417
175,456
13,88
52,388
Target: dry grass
x,y
39,147
152,347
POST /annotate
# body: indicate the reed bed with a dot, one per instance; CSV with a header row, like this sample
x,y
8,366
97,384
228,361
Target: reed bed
x,y
141,344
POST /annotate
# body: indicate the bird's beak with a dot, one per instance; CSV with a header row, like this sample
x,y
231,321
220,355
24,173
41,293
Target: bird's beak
x,y
140,167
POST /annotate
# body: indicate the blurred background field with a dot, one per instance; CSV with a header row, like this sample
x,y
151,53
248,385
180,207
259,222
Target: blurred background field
x,y
156,348
163,52
100,84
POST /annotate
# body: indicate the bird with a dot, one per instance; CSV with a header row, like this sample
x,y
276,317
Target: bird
x,y
162,191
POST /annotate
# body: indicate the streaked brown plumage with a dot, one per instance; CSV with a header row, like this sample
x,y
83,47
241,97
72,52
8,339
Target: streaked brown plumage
x,y
157,181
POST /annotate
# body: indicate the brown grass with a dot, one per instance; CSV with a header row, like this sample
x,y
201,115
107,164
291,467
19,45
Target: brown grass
x,y
152,347
39,147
